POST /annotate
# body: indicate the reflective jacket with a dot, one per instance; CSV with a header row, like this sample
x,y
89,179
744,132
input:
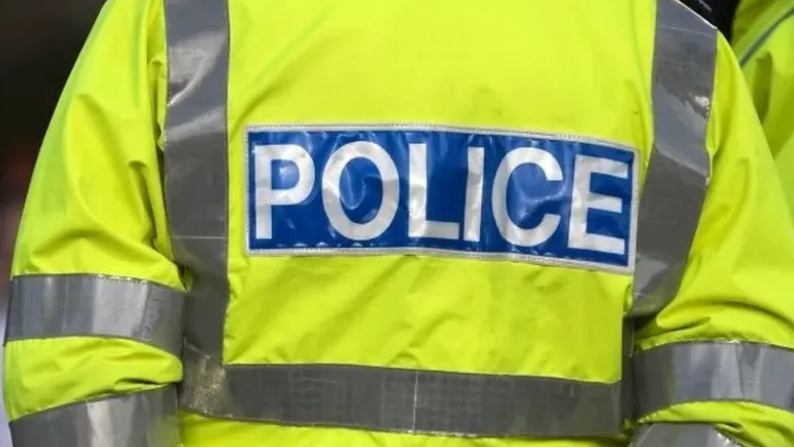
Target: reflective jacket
x,y
340,223
763,36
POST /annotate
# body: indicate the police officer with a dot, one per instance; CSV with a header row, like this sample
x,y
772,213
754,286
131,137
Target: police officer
x,y
403,223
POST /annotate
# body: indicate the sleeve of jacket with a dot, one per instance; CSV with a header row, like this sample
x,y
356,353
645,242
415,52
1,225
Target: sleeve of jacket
x,y
768,65
94,331
715,366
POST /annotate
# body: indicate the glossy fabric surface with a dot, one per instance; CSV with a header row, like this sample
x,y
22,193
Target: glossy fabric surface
x,y
464,329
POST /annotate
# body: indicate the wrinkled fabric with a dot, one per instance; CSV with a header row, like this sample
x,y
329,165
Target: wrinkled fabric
x,y
763,32
97,207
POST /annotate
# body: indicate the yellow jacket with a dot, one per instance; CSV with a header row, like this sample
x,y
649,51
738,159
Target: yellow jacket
x,y
401,223
763,32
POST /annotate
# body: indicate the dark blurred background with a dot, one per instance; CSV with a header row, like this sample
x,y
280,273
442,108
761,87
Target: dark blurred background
x,y
39,42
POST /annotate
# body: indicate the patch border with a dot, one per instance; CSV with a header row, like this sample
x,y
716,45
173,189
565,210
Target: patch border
x,y
387,127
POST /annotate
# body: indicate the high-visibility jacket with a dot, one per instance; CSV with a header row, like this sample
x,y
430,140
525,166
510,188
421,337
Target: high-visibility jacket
x,y
763,32
399,223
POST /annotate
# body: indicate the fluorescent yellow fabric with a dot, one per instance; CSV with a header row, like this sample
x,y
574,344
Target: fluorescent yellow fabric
x,y
95,206
739,276
763,36
564,67
460,64
431,312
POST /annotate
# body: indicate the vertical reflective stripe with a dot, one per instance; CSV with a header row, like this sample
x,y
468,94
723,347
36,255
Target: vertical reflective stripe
x,y
196,160
627,393
46,306
679,167
146,419
708,371
680,435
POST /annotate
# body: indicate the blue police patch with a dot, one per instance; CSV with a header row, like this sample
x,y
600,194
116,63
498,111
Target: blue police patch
x,y
442,192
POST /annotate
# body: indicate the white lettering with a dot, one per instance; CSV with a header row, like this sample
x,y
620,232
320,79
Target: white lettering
x,y
418,225
584,200
332,196
266,196
510,231
474,186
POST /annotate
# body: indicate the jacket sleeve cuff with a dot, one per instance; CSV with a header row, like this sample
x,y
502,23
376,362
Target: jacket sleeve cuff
x,y
144,419
53,306
681,435
709,371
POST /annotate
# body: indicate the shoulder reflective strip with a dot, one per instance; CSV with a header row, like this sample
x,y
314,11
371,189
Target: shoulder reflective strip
x,y
406,401
680,435
768,33
146,419
196,164
713,371
49,306
679,167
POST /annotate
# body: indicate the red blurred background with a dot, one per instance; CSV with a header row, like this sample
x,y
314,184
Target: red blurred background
x,y
39,41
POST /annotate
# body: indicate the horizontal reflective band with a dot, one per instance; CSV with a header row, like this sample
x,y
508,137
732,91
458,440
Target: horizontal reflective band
x,y
93,305
147,419
708,371
397,400
680,435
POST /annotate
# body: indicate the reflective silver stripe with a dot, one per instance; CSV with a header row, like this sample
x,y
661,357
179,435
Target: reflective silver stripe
x,y
47,306
680,435
146,419
675,183
709,371
401,400
679,168
196,160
